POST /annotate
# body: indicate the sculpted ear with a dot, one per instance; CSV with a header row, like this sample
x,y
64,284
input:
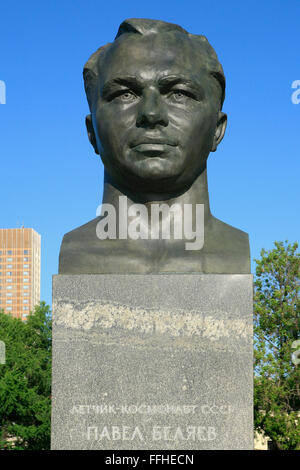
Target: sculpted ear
x,y
91,132
220,130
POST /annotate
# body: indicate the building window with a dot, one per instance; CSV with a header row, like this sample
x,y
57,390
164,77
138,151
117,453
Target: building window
x,y
9,294
26,259
9,265
9,280
9,287
25,287
8,309
9,301
8,259
26,294
25,301
25,273
9,273
25,265
26,252
9,252
25,279
25,308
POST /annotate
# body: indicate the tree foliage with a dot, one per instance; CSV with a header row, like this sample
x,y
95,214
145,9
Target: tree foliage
x,y
25,381
276,328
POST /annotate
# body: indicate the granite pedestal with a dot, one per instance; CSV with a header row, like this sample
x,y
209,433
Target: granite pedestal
x,y
159,361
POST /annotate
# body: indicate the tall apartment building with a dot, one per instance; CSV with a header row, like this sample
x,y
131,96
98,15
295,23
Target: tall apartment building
x,y
20,267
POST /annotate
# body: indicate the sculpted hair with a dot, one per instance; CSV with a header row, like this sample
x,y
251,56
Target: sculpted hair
x,y
145,27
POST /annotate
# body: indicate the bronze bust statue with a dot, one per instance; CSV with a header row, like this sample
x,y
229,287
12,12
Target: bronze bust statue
x,y
155,96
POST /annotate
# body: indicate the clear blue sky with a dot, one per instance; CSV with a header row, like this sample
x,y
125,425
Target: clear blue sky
x,y
50,178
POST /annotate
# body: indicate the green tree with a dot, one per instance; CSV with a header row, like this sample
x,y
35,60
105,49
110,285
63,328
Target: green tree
x,y
276,328
25,381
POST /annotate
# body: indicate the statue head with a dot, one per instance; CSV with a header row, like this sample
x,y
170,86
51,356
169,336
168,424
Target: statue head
x,y
155,96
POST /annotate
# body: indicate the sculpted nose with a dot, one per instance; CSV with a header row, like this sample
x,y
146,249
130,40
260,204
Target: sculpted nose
x,y
152,111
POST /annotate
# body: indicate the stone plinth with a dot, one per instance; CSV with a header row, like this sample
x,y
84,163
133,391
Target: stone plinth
x,y
158,361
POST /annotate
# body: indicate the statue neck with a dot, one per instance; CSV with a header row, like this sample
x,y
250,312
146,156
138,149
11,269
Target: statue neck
x,y
197,193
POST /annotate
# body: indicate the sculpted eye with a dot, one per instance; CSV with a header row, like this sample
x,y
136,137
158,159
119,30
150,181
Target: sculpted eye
x,y
127,96
180,96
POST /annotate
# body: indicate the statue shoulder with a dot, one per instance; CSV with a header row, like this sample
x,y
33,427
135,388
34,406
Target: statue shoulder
x,y
85,231
231,244
76,246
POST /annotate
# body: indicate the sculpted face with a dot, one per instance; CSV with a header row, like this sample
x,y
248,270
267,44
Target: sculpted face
x,y
156,117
